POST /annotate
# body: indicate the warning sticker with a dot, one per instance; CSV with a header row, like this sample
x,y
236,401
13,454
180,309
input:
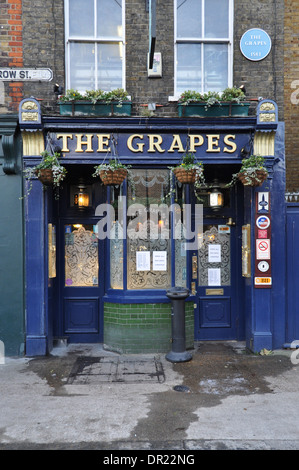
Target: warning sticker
x,y
262,222
263,248
262,234
263,281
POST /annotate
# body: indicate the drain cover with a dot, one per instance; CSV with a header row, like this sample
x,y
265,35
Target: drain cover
x,y
181,388
96,370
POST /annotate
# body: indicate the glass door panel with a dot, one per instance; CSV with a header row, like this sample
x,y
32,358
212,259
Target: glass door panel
x,y
214,256
81,256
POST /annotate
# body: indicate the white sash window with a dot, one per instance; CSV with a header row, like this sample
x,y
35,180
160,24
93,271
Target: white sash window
x,y
203,45
95,44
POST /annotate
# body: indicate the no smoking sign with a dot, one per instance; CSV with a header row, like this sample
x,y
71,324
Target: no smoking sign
x,y
263,248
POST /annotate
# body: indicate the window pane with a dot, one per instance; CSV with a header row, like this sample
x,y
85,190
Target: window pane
x,y
81,256
216,67
109,66
216,25
188,67
81,18
82,66
189,18
109,17
148,234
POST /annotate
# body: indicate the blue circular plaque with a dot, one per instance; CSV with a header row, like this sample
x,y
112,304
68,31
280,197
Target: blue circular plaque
x,y
255,44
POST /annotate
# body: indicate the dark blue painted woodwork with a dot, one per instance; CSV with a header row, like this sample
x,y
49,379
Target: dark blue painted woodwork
x,y
292,298
243,311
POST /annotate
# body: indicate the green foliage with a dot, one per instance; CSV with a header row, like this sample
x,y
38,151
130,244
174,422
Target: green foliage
x,y
112,165
211,98
254,161
190,96
233,94
119,95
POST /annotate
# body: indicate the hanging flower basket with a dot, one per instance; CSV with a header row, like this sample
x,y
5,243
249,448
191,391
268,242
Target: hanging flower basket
x,y
254,179
252,172
49,172
113,177
185,176
189,171
45,176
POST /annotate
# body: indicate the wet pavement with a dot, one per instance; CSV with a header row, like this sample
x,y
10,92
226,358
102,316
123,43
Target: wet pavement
x,y
83,397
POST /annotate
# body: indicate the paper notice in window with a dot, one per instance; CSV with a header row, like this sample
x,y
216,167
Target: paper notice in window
x,y
159,261
143,261
214,254
214,277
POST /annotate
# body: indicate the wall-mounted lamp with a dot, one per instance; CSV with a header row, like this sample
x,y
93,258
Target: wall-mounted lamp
x,y
216,198
81,198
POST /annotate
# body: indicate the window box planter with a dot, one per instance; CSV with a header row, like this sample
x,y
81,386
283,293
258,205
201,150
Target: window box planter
x,y
231,102
216,110
86,108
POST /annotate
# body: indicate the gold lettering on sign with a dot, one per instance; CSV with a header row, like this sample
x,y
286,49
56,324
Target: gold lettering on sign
x,y
176,144
103,142
87,142
29,116
195,141
65,138
232,145
151,143
140,145
213,140
155,140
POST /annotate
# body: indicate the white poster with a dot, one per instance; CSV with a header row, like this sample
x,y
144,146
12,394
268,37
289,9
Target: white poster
x,y
214,277
214,254
159,261
143,261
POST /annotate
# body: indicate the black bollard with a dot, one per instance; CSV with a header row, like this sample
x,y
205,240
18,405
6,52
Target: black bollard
x,y
177,295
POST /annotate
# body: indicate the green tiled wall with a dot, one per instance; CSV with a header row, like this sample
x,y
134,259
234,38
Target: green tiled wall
x,y
143,328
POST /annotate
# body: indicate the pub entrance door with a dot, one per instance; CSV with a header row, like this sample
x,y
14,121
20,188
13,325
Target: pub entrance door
x,y
219,312
82,269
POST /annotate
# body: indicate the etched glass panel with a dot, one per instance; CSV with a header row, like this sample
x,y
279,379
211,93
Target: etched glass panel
x,y
81,256
116,256
214,257
148,237
180,238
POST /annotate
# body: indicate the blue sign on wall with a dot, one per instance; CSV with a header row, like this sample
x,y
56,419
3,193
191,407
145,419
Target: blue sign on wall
x,y
255,44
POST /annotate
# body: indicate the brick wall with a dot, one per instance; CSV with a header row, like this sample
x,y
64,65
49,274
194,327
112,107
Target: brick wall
x,y
291,93
43,46
43,37
11,52
261,78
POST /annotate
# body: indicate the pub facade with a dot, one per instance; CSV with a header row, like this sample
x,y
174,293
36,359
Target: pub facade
x,y
99,258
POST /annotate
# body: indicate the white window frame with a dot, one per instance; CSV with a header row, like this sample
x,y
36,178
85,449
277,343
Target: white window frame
x,y
94,40
202,40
